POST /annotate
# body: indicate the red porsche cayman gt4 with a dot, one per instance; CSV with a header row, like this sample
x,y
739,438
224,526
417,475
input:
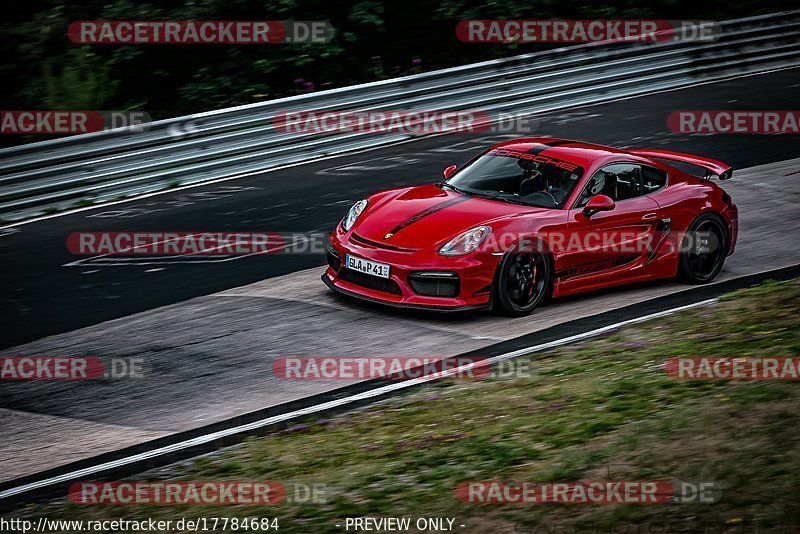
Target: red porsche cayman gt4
x,y
534,218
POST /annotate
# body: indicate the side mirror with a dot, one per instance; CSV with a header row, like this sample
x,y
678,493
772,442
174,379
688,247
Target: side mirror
x,y
598,203
449,171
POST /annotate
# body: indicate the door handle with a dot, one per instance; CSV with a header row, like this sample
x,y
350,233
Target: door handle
x,y
649,217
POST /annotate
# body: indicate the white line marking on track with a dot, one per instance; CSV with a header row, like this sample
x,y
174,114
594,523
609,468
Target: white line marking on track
x,y
208,438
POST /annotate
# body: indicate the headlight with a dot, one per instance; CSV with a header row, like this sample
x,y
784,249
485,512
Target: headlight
x,y
354,213
466,242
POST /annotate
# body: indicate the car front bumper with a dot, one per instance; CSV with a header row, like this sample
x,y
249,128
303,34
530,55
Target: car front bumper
x,y
418,279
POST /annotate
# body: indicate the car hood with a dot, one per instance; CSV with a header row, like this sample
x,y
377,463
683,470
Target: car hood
x,y
426,215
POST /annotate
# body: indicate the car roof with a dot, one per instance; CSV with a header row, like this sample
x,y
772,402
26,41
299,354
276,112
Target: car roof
x,y
584,154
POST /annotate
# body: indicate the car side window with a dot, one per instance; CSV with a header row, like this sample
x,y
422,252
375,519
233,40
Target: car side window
x,y
653,179
620,181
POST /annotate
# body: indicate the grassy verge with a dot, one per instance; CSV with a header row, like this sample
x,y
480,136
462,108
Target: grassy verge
x,y
599,409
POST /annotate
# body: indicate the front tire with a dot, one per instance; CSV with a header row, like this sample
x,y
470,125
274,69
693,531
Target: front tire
x,y
703,250
523,281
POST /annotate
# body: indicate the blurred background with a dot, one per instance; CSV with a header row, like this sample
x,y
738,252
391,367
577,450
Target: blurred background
x,y
42,69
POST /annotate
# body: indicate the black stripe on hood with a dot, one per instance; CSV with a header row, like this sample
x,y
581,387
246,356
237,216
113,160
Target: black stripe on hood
x,y
424,213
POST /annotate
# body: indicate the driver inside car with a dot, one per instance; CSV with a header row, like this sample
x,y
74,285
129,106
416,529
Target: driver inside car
x,y
534,182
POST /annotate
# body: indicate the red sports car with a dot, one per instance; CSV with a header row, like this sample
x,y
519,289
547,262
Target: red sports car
x,y
533,218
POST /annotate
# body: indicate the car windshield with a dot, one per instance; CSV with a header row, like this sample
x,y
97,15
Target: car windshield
x,y
518,177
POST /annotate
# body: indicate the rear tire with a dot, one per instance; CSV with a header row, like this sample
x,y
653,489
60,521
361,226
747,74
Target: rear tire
x,y
703,250
523,281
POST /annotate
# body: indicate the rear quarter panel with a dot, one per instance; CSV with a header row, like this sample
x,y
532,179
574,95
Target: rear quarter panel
x,y
686,197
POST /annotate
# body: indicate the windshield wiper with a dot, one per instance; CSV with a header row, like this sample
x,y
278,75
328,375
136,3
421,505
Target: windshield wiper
x,y
487,195
501,198
454,188
509,200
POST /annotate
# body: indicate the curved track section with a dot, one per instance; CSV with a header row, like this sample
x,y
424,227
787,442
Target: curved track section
x,y
209,333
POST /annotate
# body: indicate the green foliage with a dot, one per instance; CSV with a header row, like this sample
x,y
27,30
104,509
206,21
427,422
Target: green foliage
x,y
76,81
42,69
604,409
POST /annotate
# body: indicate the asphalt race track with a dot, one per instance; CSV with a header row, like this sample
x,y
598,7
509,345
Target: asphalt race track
x,y
207,333
41,297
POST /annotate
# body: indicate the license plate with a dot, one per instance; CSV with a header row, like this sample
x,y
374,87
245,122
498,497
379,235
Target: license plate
x,y
366,266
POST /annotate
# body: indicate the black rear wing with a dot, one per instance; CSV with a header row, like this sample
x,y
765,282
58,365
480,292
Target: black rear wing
x,y
711,167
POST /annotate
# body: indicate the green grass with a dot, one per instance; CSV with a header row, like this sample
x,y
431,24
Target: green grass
x,y
602,408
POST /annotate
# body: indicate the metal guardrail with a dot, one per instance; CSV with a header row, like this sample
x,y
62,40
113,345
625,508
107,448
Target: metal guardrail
x,y
96,167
